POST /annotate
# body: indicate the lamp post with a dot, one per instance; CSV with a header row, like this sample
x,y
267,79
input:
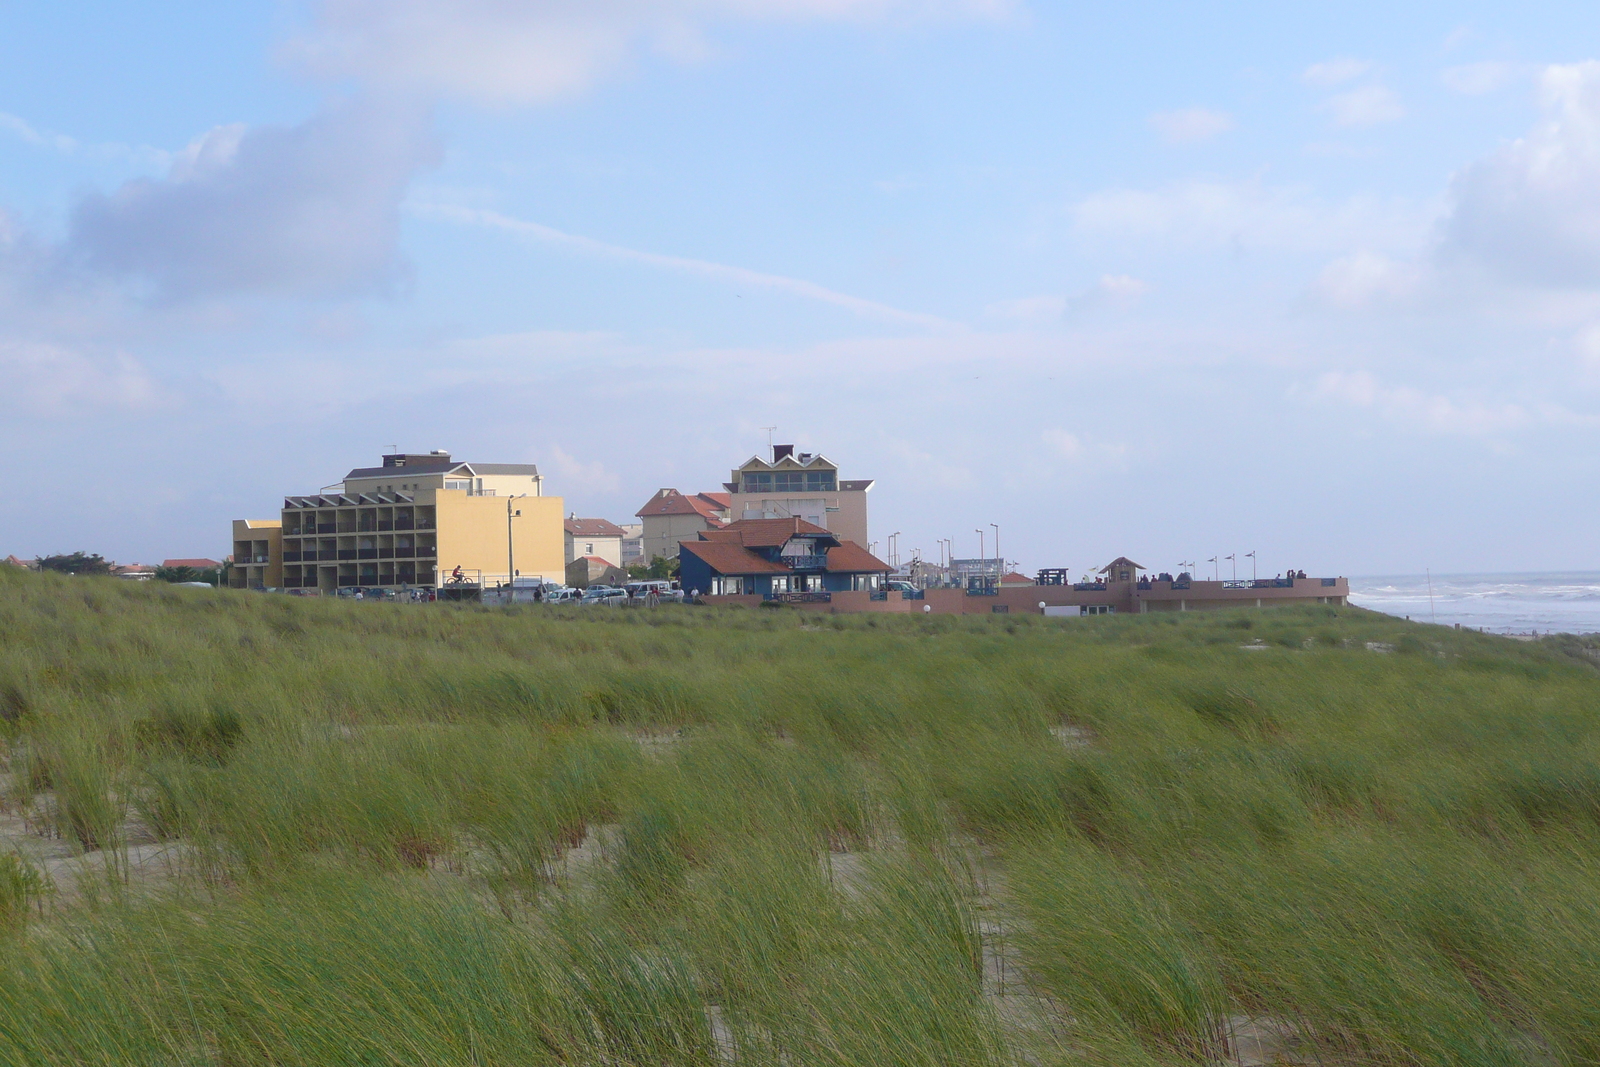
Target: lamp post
x,y
1214,575
999,560
511,557
1251,556
1235,566
981,555
894,550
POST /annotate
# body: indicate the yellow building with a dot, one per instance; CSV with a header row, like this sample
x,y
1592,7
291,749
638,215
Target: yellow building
x,y
413,521
257,554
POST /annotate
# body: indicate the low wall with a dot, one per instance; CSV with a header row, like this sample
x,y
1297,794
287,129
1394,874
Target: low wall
x,y
1122,597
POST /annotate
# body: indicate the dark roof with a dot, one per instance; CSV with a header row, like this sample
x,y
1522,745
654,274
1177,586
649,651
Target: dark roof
x,y
445,466
855,485
726,557
850,557
765,533
439,467
594,528
528,470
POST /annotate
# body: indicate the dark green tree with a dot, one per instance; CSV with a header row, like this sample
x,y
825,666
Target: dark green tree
x,y
75,563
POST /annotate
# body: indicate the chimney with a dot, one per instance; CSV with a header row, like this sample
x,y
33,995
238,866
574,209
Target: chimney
x,y
781,452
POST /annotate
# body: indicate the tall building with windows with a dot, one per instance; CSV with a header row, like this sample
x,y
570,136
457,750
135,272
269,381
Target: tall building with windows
x,y
411,522
800,485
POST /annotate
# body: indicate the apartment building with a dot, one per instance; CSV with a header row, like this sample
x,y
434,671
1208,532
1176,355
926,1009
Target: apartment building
x,y
409,522
669,518
800,485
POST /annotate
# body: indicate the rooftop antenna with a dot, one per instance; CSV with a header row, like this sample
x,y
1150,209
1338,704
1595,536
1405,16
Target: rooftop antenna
x,y
771,452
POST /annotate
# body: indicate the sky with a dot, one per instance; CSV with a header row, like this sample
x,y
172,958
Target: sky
x,y
1319,281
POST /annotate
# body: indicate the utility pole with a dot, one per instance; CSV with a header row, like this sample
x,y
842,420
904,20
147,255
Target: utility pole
x,y
511,558
1000,561
981,555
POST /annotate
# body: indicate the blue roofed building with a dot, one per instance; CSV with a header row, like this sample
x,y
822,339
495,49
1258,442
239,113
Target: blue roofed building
x,y
777,559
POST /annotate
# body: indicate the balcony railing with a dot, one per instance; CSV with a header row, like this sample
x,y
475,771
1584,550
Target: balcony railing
x,y
263,559
403,524
346,553
294,583
366,553
385,526
386,553
807,563
291,557
818,597
1330,581
427,552
983,590
326,527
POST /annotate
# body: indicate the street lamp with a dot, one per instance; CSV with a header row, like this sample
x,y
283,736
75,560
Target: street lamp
x,y
894,550
1214,575
1251,556
1000,561
511,559
981,555
1235,566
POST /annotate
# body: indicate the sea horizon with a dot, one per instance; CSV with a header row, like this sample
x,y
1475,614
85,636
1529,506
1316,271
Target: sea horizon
x,y
1506,602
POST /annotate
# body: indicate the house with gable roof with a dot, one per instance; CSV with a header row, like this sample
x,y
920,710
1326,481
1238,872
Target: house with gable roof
x,y
670,517
803,485
775,558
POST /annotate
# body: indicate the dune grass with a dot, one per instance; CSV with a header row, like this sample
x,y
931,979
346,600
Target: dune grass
x,y
444,834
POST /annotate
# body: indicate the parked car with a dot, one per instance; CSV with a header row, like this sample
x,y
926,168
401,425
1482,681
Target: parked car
x,y
604,594
561,594
640,592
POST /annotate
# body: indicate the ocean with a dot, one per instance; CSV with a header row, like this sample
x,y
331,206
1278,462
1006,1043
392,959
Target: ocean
x,y
1498,603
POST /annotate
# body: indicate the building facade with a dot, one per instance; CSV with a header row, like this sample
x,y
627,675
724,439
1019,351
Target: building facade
x,y
257,554
777,558
800,485
669,518
593,537
411,522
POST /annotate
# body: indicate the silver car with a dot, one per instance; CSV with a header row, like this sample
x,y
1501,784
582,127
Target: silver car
x,y
604,594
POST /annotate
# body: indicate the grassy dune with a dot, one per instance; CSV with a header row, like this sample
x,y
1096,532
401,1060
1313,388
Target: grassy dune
x,y
261,830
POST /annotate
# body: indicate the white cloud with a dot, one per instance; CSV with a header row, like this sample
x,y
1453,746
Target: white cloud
x,y
1477,79
1335,71
1031,310
1076,448
705,268
1365,278
309,211
1250,214
48,378
1436,413
516,51
1530,212
1367,105
1191,124
579,477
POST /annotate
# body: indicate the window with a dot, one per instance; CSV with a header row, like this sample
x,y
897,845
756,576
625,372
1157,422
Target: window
x,y
819,481
758,483
789,482
780,583
458,483
588,549
727,586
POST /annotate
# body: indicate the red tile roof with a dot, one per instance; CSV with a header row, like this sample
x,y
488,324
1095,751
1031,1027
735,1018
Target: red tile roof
x,y
851,557
721,500
593,528
1015,579
672,502
725,557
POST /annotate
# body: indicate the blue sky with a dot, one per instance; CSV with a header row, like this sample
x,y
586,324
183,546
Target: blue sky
x,y
1167,280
